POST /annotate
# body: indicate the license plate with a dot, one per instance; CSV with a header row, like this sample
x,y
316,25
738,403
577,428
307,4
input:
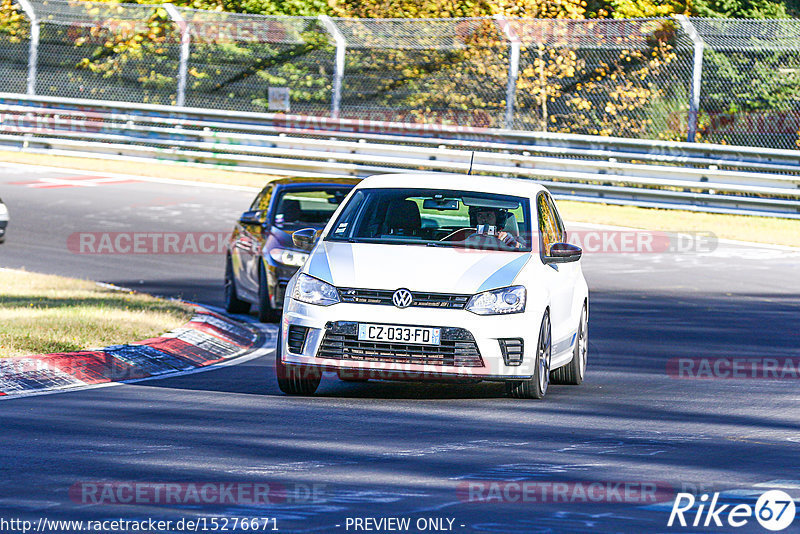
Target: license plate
x,y
399,334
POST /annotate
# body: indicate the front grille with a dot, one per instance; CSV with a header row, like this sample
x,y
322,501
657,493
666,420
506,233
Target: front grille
x,y
457,348
296,338
513,350
383,297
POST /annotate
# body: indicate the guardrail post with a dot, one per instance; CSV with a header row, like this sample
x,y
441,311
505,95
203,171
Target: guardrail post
x,y
697,75
338,68
186,40
33,50
513,69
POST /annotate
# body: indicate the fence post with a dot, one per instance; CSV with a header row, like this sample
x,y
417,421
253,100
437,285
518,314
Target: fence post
x,y
33,50
338,68
697,76
513,68
186,40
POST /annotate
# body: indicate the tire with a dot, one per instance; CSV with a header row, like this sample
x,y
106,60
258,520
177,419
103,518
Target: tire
x,y
295,380
233,304
572,374
266,313
536,386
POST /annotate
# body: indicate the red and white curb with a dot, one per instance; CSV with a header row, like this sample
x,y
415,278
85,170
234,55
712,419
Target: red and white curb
x,y
208,339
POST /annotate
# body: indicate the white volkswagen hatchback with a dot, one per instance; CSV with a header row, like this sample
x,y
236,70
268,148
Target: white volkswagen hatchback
x,y
432,277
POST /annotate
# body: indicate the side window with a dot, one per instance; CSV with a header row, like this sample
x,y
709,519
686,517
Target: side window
x,y
261,202
548,227
562,232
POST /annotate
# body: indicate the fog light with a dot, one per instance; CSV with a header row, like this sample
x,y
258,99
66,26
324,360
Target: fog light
x,y
512,349
297,338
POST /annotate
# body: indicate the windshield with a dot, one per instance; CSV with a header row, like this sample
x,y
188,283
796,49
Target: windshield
x,y
435,217
307,208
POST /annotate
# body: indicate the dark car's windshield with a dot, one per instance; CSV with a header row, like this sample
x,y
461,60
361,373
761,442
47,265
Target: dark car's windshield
x,y
435,217
305,208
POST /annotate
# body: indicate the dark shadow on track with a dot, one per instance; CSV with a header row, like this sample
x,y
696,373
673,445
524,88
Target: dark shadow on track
x,y
630,333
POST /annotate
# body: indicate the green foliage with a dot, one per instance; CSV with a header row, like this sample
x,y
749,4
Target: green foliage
x,y
278,7
749,9
632,9
14,26
545,9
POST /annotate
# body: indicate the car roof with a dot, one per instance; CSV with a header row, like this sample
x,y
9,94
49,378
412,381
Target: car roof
x,y
481,184
292,181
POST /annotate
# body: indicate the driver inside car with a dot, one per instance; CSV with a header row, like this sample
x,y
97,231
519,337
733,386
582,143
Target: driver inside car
x,y
491,222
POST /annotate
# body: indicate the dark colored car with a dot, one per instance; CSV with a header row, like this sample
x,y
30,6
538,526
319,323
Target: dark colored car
x,y
261,257
3,220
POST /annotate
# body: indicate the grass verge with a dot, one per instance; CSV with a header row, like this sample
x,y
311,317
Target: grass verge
x,y
43,313
768,230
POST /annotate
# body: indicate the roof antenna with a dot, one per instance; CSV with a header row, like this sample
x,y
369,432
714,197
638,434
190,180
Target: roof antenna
x,y
471,159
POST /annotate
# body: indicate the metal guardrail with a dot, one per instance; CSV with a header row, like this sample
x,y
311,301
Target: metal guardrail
x,y
712,178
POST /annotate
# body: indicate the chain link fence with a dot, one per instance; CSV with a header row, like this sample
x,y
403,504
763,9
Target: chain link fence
x,y
750,92
105,51
451,71
234,59
604,77
710,80
15,38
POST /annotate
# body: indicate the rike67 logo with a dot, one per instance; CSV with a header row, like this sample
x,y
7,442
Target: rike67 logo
x,y
774,510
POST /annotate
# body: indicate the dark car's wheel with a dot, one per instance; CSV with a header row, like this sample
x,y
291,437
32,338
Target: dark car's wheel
x,y
233,304
573,373
266,313
536,386
295,380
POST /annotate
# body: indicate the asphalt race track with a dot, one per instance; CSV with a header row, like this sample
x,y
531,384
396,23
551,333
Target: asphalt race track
x,y
404,450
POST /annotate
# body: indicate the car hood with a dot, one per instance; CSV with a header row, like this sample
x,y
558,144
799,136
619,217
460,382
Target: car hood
x,y
418,268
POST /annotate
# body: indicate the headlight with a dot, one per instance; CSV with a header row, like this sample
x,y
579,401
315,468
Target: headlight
x,y
312,291
293,258
498,301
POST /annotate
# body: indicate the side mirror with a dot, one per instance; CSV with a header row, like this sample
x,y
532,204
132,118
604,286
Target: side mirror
x,y
252,217
563,253
304,239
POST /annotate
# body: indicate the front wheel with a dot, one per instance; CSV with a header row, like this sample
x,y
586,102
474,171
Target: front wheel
x,y
292,379
572,374
536,386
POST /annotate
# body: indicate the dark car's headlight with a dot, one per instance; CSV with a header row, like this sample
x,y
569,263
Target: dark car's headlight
x,y
313,291
498,301
292,258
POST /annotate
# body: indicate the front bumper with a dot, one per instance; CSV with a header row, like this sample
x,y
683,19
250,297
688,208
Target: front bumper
x,y
454,358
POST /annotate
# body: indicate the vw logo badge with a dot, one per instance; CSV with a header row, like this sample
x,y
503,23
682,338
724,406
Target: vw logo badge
x,y
402,298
